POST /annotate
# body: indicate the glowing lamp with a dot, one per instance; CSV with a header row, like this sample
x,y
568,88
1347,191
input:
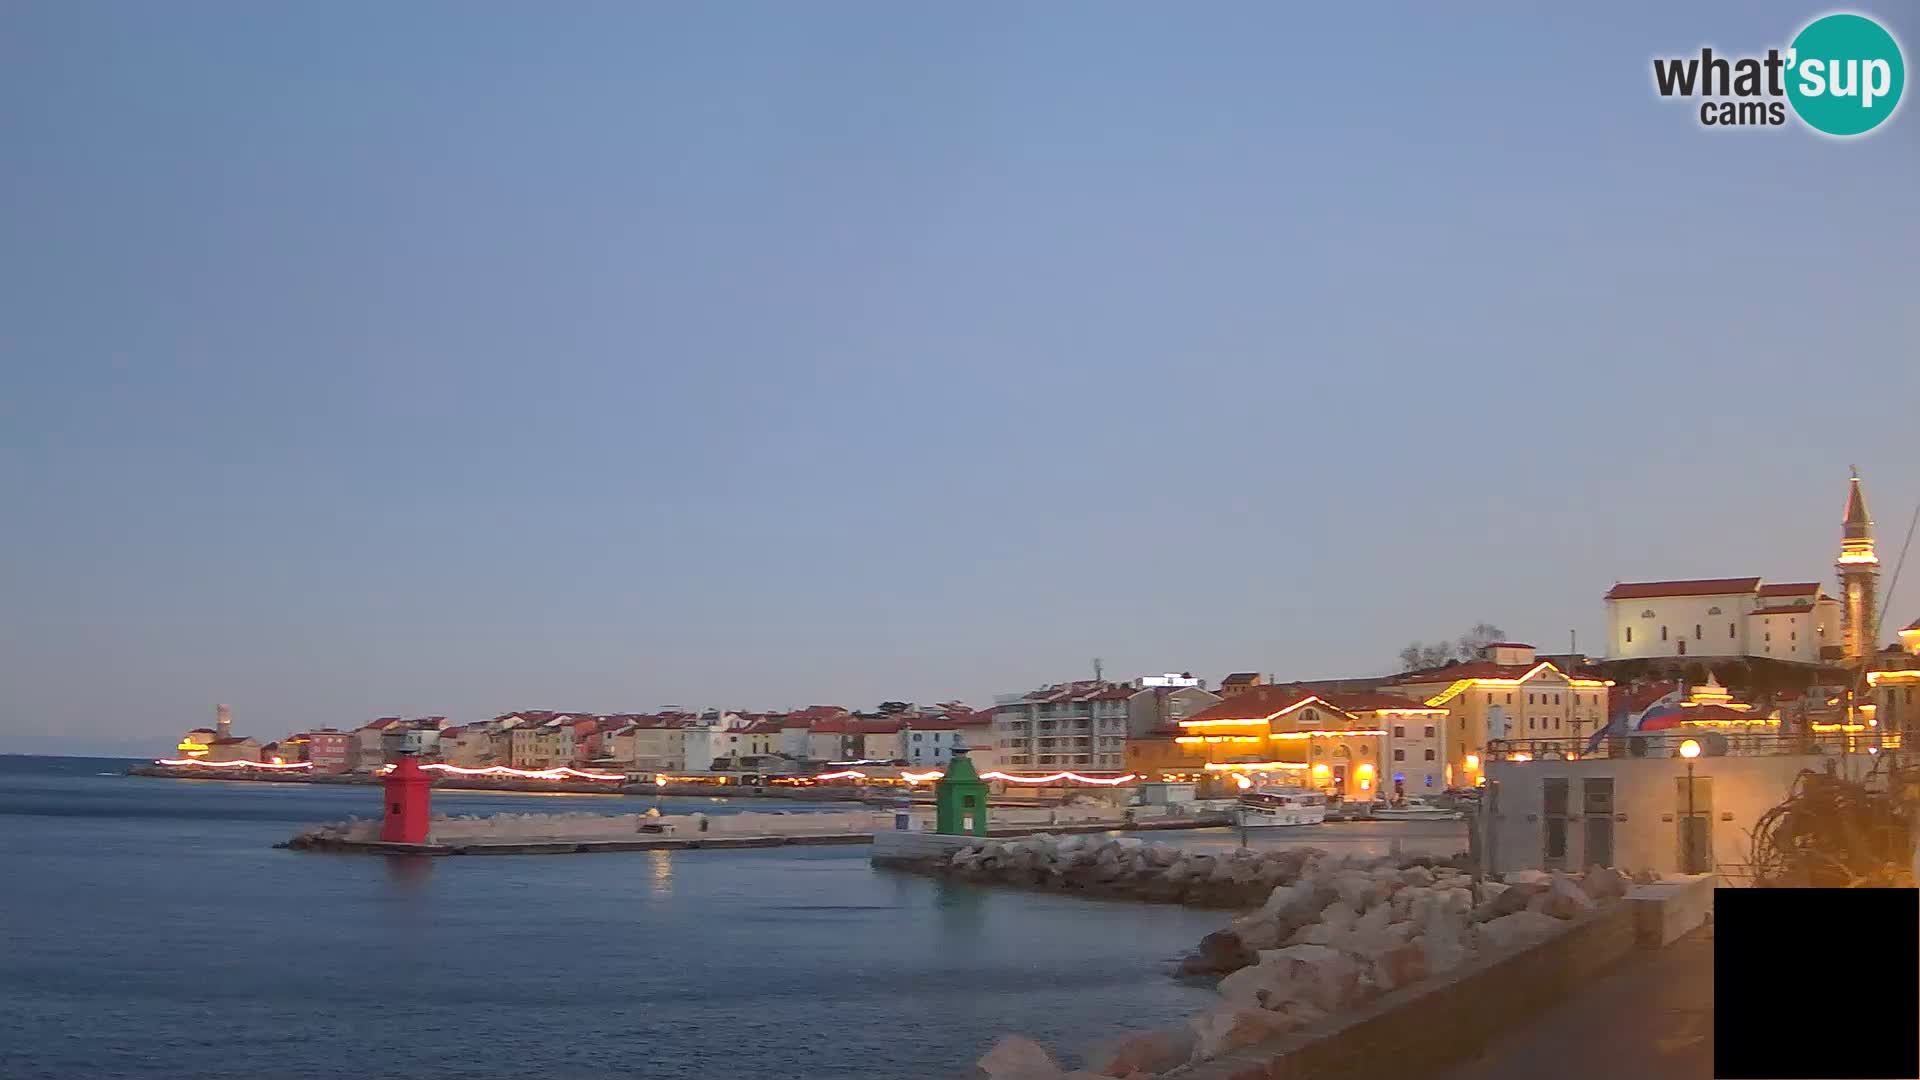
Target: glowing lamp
x,y
1321,770
659,781
1241,779
1473,761
1366,769
1690,749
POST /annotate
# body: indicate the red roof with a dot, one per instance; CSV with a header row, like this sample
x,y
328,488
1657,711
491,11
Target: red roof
x,y
1240,678
1373,701
1795,589
1477,669
1785,609
383,723
1257,703
763,727
1639,590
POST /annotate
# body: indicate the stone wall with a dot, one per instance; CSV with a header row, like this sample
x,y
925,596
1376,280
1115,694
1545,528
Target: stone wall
x,y
1441,1019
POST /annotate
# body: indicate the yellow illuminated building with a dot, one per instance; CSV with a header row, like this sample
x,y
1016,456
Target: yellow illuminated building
x,y
1512,695
1349,745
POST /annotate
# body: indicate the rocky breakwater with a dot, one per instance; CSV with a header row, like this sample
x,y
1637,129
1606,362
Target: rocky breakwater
x,y
1127,868
1332,936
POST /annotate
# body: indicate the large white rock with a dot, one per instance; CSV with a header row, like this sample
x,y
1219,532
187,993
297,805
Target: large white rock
x,y
1527,877
1416,875
1327,976
1223,1030
1565,899
1340,915
1246,986
1016,1057
1605,883
1374,920
1258,931
1144,1052
1521,927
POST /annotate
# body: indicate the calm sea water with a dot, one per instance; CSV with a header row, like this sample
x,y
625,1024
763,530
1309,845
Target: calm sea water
x,y
148,928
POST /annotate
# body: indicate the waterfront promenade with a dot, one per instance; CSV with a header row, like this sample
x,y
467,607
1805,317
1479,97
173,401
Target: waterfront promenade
x,y
1652,1019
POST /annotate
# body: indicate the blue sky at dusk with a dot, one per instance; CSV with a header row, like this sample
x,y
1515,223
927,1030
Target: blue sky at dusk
x,y
360,359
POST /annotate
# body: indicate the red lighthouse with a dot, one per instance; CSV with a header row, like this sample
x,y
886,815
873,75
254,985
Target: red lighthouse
x,y
409,803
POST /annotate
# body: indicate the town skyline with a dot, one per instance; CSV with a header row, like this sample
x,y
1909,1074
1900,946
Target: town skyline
x,y
345,378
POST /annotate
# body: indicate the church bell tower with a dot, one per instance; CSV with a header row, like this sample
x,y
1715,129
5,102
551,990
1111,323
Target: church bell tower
x,y
1859,575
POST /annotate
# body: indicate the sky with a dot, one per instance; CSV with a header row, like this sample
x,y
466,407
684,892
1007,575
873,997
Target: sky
x,y
451,358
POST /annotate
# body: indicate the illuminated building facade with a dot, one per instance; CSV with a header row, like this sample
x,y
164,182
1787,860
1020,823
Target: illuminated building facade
x,y
1859,571
1510,694
1341,744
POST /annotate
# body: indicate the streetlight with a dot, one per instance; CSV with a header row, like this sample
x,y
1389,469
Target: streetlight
x,y
1689,750
659,789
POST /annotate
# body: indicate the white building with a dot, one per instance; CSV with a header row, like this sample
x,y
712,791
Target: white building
x,y
1722,618
928,742
1077,725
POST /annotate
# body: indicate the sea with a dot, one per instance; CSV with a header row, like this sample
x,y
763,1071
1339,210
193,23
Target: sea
x,y
149,928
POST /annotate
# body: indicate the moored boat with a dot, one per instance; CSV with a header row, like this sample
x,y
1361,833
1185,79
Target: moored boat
x,y
1414,808
1269,807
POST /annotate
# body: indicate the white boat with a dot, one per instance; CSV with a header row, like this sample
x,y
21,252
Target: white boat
x,y
1414,808
1269,807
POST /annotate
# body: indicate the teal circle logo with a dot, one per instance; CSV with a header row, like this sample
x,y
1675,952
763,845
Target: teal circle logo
x,y
1844,74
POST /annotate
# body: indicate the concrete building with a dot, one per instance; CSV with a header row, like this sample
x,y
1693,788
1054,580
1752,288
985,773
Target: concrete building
x,y
330,751
233,749
1636,812
1510,694
930,740
1240,682
1153,707
1077,725
472,746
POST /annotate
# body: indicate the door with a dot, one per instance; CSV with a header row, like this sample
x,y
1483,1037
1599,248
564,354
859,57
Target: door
x,y
1597,808
1693,813
1553,842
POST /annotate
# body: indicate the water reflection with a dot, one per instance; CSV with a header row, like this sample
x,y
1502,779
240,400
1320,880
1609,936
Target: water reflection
x,y
662,880
409,873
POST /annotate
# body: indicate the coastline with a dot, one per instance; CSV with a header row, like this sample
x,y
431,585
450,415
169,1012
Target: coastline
x,y
497,783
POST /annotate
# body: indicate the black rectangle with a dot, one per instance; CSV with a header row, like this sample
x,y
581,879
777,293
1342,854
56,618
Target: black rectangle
x,y
1816,982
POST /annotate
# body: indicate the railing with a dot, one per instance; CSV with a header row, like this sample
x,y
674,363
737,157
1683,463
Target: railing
x,y
1711,743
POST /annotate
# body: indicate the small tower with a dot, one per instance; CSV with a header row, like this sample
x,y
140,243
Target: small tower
x,y
223,721
409,803
1859,576
960,798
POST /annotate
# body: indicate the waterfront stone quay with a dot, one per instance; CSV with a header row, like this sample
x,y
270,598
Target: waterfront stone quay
x,y
1355,968
551,834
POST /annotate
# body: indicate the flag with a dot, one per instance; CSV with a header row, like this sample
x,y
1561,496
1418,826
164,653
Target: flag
x,y
1626,719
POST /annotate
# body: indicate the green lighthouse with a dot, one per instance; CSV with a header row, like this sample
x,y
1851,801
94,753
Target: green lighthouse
x,y
960,798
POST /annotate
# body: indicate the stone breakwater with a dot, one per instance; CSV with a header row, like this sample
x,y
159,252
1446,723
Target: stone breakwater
x,y
1327,936
1128,868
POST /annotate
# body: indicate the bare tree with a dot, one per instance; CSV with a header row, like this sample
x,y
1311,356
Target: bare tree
x,y
1478,638
1420,655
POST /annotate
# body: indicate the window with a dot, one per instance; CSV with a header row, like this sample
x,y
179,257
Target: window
x,y
1529,723
1429,755
1696,631
1663,633
916,736
1556,699
1399,755
1529,699
1629,635
1793,635
1399,732
1556,723
1509,699
1769,635
1729,629
1430,731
